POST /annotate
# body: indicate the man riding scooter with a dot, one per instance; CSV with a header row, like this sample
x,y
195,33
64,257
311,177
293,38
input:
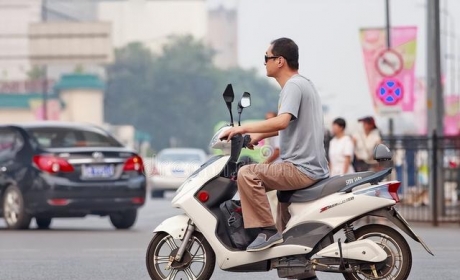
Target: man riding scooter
x,y
299,124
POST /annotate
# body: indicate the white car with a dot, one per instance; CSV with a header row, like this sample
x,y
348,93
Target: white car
x,y
171,167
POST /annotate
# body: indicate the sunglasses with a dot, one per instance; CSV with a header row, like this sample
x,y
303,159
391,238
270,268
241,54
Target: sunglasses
x,y
270,57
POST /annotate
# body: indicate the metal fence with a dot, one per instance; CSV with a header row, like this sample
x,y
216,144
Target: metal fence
x,y
429,170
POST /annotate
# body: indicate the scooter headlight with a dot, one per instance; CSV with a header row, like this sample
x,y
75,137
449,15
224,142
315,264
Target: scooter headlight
x,y
216,143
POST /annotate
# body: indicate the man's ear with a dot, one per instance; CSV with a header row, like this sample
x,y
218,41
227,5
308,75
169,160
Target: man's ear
x,y
280,62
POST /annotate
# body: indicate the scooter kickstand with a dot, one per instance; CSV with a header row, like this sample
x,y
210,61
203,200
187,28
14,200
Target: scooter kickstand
x,y
342,264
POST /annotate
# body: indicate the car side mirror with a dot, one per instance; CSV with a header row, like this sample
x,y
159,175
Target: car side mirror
x,y
382,153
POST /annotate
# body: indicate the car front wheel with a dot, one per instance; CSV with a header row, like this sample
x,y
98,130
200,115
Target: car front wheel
x,y
124,219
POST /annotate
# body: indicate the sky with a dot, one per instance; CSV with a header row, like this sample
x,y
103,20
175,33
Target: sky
x,y
327,32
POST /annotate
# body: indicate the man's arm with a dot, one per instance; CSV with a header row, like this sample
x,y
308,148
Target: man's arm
x,y
260,129
267,135
268,127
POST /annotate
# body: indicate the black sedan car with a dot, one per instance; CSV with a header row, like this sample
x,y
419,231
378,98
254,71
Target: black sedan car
x,y
56,169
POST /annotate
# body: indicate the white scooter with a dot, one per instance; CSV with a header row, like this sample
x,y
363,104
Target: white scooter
x,y
187,246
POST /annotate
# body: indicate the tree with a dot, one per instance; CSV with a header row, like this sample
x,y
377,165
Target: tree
x,y
36,73
178,94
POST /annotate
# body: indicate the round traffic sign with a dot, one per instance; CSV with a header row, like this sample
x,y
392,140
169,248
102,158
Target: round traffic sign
x,y
389,63
390,91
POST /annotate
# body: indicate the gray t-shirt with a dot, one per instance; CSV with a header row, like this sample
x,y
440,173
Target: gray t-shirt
x,y
302,142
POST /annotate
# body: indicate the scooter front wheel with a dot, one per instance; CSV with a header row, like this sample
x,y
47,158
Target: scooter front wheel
x,y
197,262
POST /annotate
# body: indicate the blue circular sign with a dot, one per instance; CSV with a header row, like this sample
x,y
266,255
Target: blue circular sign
x,y
390,92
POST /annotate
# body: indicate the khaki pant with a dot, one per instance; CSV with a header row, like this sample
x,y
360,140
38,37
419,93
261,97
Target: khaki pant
x,y
255,180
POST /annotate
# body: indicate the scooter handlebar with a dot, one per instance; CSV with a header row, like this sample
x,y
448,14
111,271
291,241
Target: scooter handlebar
x,y
246,139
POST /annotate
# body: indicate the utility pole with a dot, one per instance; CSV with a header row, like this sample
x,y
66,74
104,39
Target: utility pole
x,y
388,23
45,69
388,35
435,106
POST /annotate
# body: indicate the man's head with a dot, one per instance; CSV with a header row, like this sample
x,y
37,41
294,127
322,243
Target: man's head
x,y
270,115
282,55
368,123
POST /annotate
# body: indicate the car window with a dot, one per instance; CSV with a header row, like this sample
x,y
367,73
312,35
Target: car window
x,y
59,137
10,143
176,157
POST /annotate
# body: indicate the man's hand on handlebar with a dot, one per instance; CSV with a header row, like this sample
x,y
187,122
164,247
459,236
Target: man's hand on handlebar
x,y
229,133
255,138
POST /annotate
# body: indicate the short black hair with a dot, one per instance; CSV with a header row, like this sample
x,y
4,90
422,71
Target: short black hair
x,y
288,49
340,122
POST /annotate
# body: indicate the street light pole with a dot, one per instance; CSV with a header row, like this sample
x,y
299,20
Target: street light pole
x,y
388,36
388,25
435,92
45,70
435,107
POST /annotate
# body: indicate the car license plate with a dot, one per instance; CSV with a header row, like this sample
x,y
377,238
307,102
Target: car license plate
x,y
98,171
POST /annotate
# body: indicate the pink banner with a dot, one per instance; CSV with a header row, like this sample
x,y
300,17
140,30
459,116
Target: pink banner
x,y
451,111
452,115
395,64
420,106
53,109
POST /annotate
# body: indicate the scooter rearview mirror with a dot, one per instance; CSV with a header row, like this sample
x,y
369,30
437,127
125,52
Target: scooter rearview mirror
x,y
244,102
229,95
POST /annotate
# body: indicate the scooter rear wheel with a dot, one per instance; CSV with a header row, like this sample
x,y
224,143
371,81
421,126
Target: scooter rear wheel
x,y
197,262
398,264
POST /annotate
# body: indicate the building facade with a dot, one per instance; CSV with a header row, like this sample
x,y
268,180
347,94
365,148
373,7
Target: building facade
x,y
153,22
223,36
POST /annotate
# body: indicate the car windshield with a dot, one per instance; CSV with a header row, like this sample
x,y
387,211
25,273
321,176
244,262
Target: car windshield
x,y
60,137
176,157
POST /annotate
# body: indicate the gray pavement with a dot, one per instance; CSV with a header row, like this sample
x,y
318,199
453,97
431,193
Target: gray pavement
x,y
91,248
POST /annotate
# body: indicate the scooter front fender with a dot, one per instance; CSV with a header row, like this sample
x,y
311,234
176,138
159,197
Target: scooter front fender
x,y
175,226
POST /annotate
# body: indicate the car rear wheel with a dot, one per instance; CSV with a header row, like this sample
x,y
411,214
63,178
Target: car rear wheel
x,y
43,223
14,211
124,219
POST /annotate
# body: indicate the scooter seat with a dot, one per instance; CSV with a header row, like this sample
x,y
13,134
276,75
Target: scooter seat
x,y
321,188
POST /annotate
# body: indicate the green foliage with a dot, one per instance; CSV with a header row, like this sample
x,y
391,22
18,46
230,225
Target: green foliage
x,y
79,69
36,73
178,94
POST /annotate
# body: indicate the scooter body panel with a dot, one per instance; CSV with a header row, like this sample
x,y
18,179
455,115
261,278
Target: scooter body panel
x,y
365,250
336,209
174,226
